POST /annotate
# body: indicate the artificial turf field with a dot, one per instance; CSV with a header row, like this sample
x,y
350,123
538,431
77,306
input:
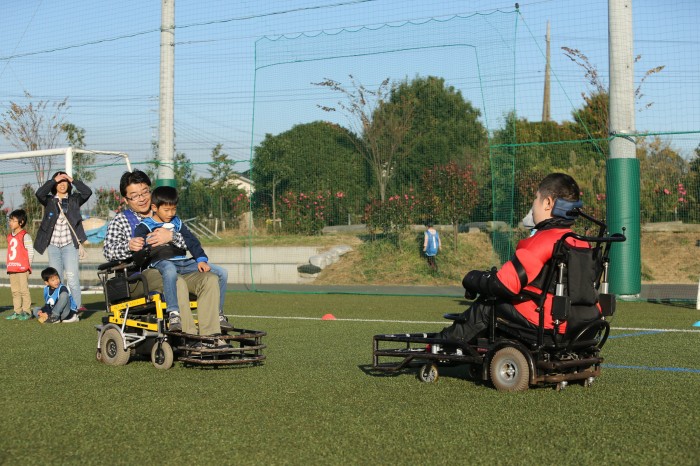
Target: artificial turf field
x,y
313,403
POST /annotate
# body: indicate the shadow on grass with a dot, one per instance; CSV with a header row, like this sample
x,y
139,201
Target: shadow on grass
x,y
91,309
673,303
459,371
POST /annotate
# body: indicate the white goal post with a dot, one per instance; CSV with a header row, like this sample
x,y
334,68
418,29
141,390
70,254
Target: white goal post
x,y
68,151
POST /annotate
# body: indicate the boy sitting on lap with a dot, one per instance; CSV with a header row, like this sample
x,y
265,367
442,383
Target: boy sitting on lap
x,y
171,260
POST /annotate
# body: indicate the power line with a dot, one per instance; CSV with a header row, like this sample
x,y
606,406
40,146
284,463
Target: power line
x,y
205,23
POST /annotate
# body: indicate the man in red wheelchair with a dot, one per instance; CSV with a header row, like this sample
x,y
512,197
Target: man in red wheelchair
x,y
520,279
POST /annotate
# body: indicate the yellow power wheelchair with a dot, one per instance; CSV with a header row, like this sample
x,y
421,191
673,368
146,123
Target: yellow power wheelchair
x,y
136,325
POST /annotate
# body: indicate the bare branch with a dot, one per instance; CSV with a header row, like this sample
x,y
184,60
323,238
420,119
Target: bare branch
x,y
380,126
35,127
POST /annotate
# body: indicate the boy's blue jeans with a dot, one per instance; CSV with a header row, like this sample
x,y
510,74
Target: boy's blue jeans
x,y
170,269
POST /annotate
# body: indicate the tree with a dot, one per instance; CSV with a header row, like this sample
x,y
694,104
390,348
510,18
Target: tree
x,y
3,211
380,127
444,128
311,157
221,186
592,119
221,167
75,136
694,185
35,126
182,168
523,152
31,204
269,168
662,191
450,193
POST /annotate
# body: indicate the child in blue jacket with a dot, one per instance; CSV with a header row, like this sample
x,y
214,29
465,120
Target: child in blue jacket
x,y
60,306
171,260
431,245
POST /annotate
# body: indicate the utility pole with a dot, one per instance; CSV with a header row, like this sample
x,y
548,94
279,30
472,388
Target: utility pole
x,y
545,104
166,134
622,177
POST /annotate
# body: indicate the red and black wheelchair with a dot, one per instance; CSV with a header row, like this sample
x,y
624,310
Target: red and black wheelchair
x,y
513,356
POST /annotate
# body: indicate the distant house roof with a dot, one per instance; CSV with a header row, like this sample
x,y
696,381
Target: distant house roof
x,y
243,182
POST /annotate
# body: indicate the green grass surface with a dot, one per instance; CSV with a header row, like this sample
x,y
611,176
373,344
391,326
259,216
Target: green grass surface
x,y
312,402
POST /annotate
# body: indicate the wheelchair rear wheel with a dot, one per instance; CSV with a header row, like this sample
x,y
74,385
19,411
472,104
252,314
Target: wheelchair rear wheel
x,y
509,370
112,348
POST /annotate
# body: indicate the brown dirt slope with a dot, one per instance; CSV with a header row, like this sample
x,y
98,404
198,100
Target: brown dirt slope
x,y
666,258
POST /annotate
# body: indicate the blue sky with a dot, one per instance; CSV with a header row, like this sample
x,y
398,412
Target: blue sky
x,y
104,56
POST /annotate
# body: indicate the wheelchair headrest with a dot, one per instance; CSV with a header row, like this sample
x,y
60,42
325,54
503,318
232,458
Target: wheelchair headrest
x,y
566,209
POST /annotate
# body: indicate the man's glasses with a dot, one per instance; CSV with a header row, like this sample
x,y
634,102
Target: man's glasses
x,y
141,195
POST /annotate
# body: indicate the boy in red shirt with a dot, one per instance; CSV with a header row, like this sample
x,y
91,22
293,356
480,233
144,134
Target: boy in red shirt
x,y
20,253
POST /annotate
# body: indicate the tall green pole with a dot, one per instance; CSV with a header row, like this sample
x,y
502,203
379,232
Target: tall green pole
x,y
166,133
622,178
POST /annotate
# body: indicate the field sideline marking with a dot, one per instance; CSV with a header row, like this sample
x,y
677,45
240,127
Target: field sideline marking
x,y
649,368
443,323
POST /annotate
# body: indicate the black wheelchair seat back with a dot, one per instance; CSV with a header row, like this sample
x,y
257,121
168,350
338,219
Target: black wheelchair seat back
x,y
584,267
121,281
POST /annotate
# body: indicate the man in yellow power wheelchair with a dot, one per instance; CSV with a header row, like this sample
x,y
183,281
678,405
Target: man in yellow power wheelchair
x,y
137,323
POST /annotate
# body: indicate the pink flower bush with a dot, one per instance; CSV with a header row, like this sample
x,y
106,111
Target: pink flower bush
x,y
391,216
307,213
108,200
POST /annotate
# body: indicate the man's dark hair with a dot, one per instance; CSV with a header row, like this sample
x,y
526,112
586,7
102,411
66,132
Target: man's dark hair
x,y
135,177
559,185
49,272
164,195
20,215
53,189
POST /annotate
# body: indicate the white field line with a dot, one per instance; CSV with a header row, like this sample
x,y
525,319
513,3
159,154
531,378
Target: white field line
x,y
637,329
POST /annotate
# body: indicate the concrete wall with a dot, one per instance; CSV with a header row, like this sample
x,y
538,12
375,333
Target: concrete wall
x,y
259,265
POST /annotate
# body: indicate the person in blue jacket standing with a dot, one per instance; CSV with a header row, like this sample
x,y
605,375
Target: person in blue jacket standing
x,y
431,245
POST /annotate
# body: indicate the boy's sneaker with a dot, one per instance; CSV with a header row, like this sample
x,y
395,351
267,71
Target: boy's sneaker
x,y
12,316
221,343
174,324
24,316
200,345
53,319
224,323
73,318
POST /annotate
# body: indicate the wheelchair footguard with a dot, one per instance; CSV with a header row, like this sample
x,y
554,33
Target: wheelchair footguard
x,y
136,325
240,346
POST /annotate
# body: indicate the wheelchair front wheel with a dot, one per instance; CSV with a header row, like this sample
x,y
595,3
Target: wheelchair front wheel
x,y
428,373
509,370
162,355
